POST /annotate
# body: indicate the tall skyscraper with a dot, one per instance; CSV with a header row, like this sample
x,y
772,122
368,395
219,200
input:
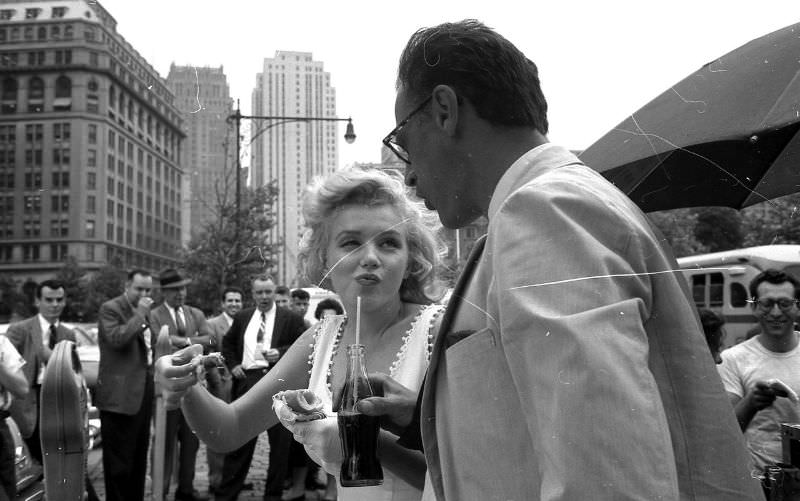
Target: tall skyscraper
x,y
292,84
89,144
203,98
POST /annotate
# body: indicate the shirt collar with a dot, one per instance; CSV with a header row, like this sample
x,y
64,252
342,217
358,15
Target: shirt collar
x,y
45,324
227,317
512,177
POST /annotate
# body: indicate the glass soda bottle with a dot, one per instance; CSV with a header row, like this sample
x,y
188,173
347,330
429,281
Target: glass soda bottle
x,y
358,432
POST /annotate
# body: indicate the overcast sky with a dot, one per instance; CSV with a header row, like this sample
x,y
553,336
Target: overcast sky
x,y
598,61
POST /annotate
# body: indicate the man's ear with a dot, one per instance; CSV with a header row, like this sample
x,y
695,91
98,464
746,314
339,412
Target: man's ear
x,y
444,108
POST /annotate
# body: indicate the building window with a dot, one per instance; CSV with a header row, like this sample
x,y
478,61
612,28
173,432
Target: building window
x,y
61,132
32,13
90,204
91,181
34,133
110,190
30,252
58,252
68,31
33,180
35,95
91,158
64,56
60,179
32,229
9,59
89,228
63,100
36,58
94,59
33,204
90,252
58,12
8,103
92,134
6,14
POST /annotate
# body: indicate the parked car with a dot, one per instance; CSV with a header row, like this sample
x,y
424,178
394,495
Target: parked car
x,y
29,472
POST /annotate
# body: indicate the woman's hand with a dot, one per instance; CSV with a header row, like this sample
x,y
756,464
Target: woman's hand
x,y
320,438
175,374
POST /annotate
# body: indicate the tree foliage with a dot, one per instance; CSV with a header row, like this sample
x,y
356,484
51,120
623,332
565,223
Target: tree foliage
x,y
719,228
773,222
218,256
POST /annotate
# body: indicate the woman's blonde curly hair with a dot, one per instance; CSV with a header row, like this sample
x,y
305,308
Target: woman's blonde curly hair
x,y
370,187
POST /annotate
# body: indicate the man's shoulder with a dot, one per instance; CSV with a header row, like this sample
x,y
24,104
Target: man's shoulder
x,y
26,324
115,303
194,311
244,315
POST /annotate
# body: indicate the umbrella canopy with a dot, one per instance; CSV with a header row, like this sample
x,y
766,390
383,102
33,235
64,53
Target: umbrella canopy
x,y
727,135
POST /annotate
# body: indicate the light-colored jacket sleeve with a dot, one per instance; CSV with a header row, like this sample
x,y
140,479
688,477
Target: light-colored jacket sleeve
x,y
570,307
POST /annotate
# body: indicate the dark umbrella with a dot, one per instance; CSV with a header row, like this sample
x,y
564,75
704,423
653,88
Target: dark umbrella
x,y
726,135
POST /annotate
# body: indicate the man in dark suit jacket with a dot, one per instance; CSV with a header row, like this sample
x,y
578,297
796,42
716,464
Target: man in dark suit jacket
x,y
125,387
187,325
255,342
34,339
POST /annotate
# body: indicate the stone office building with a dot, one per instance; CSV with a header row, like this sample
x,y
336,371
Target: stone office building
x,y
90,138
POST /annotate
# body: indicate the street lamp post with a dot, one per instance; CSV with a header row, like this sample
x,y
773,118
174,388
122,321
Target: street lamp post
x,y
349,137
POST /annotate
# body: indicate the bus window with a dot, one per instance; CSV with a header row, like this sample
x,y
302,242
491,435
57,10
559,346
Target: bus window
x,y
715,289
699,289
738,295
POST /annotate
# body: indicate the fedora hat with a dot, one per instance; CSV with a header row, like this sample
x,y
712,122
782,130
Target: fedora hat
x,y
171,279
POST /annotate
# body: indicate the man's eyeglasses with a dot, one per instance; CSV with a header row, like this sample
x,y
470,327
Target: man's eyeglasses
x,y
391,140
766,304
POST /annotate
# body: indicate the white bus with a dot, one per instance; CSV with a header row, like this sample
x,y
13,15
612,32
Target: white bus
x,y
719,282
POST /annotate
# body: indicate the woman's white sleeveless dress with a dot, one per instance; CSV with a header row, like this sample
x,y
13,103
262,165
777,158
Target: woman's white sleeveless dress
x,y
408,369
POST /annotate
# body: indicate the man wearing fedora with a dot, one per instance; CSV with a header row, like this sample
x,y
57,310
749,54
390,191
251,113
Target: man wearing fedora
x,y
187,325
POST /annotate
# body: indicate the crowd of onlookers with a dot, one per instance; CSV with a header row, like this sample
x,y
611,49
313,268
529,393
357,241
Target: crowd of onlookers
x,y
128,329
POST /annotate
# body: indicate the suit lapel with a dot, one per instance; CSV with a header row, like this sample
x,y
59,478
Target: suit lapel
x,y
449,314
277,329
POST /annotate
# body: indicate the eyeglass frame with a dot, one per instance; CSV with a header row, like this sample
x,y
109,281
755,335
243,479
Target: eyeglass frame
x,y
390,140
757,303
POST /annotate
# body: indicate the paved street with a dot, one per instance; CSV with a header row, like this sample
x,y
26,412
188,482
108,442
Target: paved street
x,y
257,475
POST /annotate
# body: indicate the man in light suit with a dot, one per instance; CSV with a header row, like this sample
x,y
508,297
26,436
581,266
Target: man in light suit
x,y
570,363
187,325
34,339
218,379
255,342
125,386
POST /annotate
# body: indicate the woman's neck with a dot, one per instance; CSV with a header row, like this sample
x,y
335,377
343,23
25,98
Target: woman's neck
x,y
374,321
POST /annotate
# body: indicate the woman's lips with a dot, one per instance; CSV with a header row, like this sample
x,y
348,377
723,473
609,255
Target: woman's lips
x,y
368,279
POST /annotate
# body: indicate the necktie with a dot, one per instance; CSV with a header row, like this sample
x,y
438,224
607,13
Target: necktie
x,y
52,341
179,322
262,328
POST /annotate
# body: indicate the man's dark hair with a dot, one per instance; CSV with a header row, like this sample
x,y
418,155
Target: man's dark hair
x,y
50,284
232,289
773,276
481,66
712,323
301,294
138,271
282,290
328,304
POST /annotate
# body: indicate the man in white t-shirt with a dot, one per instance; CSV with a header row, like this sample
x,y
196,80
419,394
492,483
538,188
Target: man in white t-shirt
x,y
749,370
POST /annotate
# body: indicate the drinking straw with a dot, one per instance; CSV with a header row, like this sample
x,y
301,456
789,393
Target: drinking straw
x,y
358,320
